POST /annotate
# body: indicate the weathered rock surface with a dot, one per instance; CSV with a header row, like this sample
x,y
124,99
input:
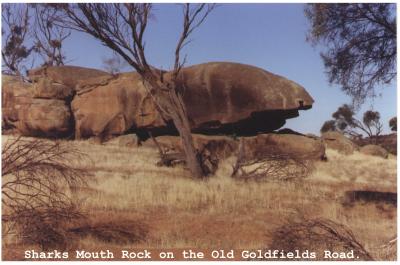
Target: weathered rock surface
x,y
66,75
46,88
44,117
42,108
339,142
374,150
87,85
223,98
127,140
296,145
14,93
223,146
33,116
238,98
113,107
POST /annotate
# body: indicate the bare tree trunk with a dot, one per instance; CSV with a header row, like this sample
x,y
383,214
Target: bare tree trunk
x,y
171,103
192,161
182,124
180,119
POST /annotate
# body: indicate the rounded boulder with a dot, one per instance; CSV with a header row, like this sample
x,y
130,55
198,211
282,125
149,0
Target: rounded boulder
x,y
374,150
339,142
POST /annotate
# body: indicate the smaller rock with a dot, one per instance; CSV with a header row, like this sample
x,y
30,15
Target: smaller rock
x,y
339,142
387,141
297,145
374,150
127,140
223,146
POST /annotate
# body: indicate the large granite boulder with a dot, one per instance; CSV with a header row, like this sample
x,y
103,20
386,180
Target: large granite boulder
x,y
299,146
221,98
374,150
339,142
33,116
237,98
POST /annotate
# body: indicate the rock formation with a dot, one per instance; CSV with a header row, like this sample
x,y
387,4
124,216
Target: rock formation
x,y
223,146
387,141
339,142
221,98
104,107
33,116
240,99
66,75
374,150
42,107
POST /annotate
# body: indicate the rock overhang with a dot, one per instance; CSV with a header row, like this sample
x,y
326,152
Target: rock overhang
x,y
221,97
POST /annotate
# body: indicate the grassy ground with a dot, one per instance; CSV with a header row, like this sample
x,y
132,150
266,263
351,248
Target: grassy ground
x,y
179,212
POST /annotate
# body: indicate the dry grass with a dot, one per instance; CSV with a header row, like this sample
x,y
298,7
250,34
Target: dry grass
x,y
358,169
180,212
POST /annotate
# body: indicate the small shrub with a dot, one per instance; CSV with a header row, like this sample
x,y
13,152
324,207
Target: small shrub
x,y
272,165
317,235
38,180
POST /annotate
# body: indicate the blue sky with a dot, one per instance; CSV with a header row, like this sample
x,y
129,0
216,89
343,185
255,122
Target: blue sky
x,y
270,36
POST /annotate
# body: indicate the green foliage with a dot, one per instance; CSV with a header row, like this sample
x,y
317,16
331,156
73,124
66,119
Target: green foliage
x,y
360,44
393,124
371,118
344,120
328,126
